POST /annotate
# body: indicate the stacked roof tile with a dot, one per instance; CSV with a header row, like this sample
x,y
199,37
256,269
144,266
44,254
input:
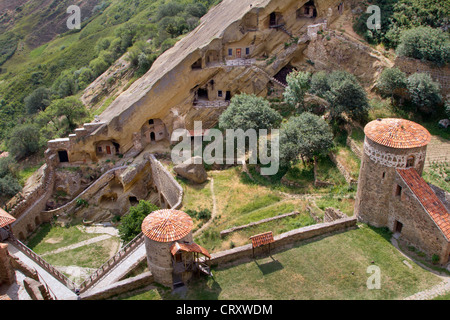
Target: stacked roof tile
x,y
427,198
167,225
397,133
5,218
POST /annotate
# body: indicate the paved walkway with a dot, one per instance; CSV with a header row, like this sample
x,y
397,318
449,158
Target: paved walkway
x,y
58,289
437,290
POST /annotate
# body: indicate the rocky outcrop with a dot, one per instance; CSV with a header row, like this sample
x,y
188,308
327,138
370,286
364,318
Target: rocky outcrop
x,y
193,172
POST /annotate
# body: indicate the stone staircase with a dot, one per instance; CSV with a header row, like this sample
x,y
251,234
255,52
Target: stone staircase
x,y
258,69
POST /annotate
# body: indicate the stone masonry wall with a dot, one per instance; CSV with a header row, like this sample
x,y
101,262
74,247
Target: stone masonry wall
x,y
439,74
7,274
418,229
284,240
332,214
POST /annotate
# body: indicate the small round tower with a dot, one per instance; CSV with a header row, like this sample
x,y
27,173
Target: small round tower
x,y
389,144
162,228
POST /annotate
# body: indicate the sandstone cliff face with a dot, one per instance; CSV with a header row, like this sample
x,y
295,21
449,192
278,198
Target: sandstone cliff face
x,y
238,48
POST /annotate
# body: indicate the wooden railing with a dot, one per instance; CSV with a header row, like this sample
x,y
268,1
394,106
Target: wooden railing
x,y
108,265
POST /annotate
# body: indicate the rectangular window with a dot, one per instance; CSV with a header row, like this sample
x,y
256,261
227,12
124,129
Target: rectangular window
x,y
247,51
230,52
384,175
99,149
219,93
398,191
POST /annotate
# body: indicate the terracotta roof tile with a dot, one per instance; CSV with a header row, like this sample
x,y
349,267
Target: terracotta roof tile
x,y
167,225
5,218
193,247
262,239
397,133
427,198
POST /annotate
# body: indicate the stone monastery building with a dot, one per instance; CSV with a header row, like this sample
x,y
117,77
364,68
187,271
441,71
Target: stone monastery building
x,y
391,191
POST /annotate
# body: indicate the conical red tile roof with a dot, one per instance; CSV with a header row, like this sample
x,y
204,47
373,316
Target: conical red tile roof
x,y
167,225
397,133
5,218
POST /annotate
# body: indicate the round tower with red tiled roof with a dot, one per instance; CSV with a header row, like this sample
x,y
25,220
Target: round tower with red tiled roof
x,y
163,228
389,144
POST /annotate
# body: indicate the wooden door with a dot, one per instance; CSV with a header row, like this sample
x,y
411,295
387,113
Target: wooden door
x,y
238,53
108,149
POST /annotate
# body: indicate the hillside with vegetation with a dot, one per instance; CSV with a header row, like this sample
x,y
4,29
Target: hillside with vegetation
x,y
44,66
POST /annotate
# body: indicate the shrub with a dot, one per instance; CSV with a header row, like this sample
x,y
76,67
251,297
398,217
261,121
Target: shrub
x,y
424,92
391,82
23,141
130,224
425,43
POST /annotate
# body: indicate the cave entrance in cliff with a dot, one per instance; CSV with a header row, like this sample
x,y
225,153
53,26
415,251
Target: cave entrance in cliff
x,y
116,146
202,94
273,19
133,201
307,11
197,64
282,74
63,156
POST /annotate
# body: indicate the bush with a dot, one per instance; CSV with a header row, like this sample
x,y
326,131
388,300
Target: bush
x,y
202,214
424,92
130,224
38,100
23,141
425,43
9,186
392,82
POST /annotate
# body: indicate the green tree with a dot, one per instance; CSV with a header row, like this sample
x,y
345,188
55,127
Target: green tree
x,y
9,186
347,96
23,141
392,82
63,114
65,85
425,43
98,66
424,92
319,84
306,135
130,224
38,100
298,84
249,112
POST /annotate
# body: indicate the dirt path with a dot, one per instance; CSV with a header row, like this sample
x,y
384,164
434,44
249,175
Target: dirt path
x,y
214,209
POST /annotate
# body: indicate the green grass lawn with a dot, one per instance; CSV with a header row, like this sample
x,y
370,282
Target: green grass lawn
x,y
334,267
49,238
346,205
327,171
90,256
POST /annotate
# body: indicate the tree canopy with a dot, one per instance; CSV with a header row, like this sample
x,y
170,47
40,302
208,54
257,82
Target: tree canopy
x,y
130,224
249,112
306,135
